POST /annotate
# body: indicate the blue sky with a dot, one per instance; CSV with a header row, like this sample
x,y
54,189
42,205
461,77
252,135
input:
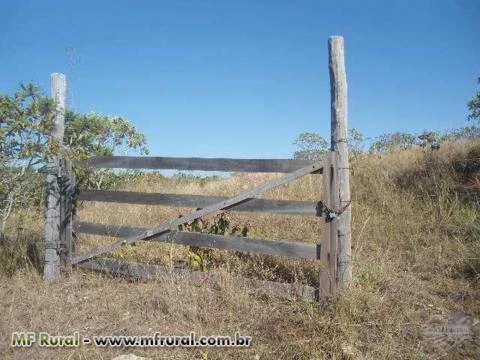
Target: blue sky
x,y
243,78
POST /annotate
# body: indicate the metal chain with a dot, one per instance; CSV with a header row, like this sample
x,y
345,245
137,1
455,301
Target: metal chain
x,y
330,213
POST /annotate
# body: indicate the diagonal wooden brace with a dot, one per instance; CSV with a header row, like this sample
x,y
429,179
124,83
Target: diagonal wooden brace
x,y
172,225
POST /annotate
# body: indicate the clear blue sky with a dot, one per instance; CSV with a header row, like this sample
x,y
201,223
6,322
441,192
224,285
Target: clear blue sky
x,y
243,78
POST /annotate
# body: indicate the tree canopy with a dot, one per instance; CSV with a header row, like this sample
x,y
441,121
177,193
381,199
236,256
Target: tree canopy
x,y
26,119
311,146
474,106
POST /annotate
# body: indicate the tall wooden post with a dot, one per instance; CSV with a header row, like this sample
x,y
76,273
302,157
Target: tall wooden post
x,y
338,94
51,269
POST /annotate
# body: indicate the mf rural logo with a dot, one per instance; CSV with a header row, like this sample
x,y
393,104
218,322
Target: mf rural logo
x,y
460,330
43,339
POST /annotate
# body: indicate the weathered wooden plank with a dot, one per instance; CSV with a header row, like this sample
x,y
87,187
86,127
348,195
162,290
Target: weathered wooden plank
x,y
259,246
290,207
328,256
172,225
194,278
51,268
205,164
338,93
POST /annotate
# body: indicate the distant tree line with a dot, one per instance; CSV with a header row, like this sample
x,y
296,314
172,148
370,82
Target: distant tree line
x,y
311,145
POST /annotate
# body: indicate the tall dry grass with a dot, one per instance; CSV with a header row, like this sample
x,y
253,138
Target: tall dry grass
x,y
296,228
416,260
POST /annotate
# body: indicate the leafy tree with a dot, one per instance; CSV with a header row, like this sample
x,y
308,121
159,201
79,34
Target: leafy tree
x,y
94,134
355,142
474,106
430,138
389,142
26,119
311,146
463,133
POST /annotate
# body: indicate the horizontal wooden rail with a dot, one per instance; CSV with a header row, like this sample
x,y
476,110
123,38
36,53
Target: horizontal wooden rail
x,y
259,246
290,207
196,278
173,224
205,164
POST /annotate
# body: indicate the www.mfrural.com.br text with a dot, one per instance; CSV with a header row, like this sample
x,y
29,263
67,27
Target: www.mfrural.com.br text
x,y
46,340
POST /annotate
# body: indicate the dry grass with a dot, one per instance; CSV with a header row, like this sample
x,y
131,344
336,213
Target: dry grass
x,y
296,228
416,256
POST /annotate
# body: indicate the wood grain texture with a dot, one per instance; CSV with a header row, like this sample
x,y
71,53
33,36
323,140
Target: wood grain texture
x,y
172,225
329,256
51,268
259,246
194,278
290,207
339,126
205,164
67,191
327,272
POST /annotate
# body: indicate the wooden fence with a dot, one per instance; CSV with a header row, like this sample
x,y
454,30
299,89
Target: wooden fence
x,y
333,251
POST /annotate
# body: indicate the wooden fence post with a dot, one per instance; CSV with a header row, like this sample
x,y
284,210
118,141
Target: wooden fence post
x,y
329,241
67,193
338,94
51,269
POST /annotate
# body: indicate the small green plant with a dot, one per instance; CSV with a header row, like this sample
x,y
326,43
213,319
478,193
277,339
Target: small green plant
x,y
200,258
125,252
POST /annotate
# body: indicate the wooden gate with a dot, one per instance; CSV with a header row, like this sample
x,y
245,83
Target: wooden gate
x,y
333,250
